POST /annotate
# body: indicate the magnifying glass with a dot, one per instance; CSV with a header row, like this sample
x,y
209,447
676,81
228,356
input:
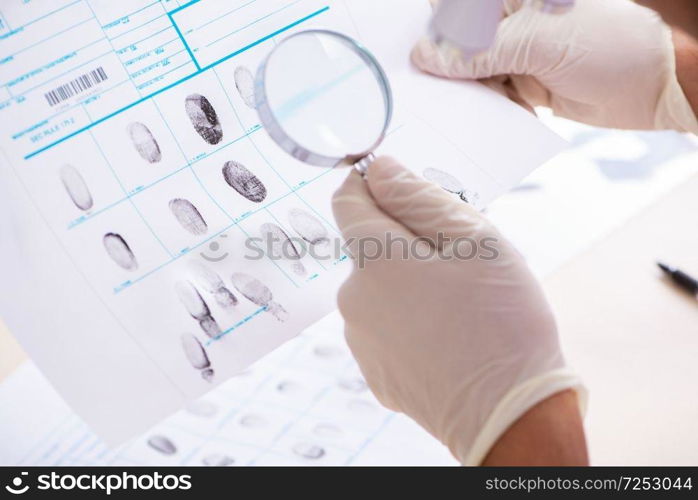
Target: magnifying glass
x,y
324,99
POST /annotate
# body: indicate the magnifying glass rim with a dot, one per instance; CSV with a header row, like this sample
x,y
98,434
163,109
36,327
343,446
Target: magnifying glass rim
x,y
284,140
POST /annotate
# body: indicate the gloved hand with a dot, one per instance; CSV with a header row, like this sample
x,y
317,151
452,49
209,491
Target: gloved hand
x,y
608,63
464,347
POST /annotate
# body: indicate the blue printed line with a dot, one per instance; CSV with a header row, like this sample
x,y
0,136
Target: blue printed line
x,y
178,82
184,42
150,67
36,446
96,444
161,75
7,25
268,37
373,436
74,447
78,457
151,52
224,15
120,51
252,23
86,112
55,62
47,15
76,424
51,36
126,16
182,7
137,27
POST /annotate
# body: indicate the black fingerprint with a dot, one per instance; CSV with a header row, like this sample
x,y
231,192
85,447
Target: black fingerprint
x,y
144,142
218,460
307,226
204,118
162,444
244,182
188,216
119,251
446,181
244,82
280,246
196,354
309,451
76,187
214,285
191,299
258,293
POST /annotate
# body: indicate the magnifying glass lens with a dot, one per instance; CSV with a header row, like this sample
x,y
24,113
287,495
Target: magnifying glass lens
x,y
325,95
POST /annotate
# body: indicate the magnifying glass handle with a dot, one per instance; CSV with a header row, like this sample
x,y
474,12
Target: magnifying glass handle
x,y
362,165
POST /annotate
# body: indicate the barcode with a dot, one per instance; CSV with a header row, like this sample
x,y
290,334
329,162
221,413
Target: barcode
x,y
74,87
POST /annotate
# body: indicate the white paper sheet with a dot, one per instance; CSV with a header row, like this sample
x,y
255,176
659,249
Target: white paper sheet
x,y
98,96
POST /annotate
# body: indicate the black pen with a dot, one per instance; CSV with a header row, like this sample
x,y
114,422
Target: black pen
x,y
682,279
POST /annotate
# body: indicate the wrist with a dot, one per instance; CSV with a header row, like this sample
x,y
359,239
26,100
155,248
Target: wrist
x,y
513,408
549,434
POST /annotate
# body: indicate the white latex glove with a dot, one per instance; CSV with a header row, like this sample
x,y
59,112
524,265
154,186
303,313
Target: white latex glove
x,y
608,63
464,347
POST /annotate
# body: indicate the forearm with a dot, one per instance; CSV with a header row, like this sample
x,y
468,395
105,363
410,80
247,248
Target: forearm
x,y
687,66
549,434
681,13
